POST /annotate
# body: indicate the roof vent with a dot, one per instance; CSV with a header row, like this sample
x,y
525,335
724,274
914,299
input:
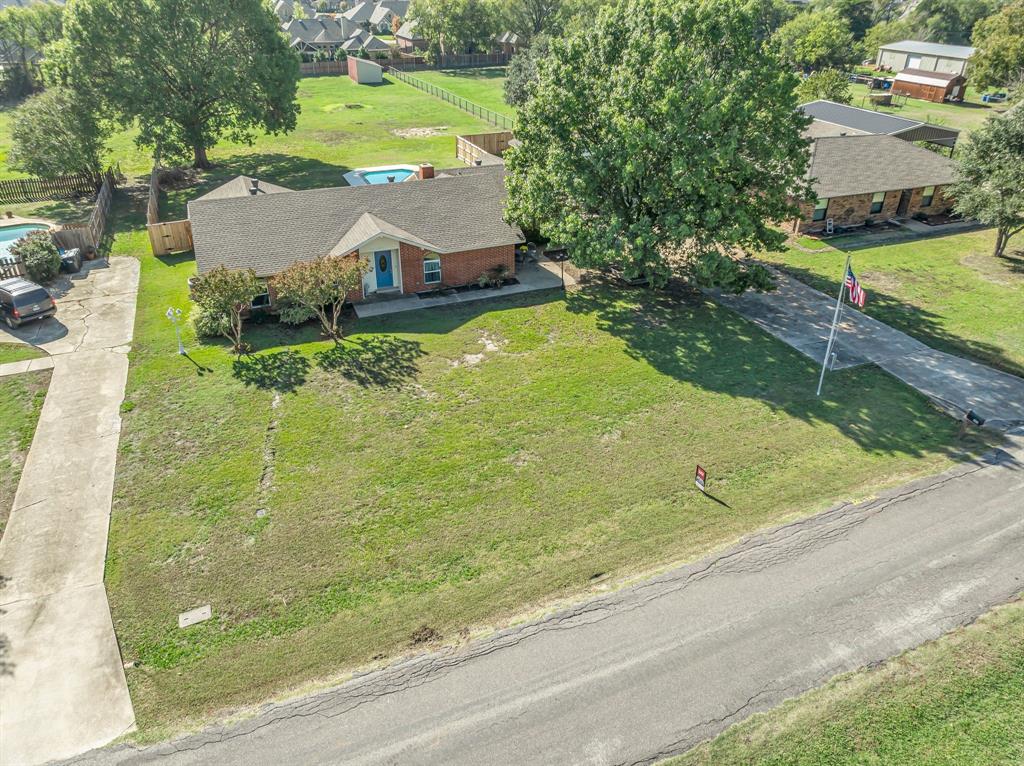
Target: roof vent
x,y
478,163
254,186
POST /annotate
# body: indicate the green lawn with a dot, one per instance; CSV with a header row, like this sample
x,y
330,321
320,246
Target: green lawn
x,y
449,469
485,87
957,701
965,116
949,291
21,399
17,352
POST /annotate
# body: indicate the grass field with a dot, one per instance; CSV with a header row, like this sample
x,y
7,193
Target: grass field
x,y
949,292
957,701
21,399
448,469
16,352
485,87
965,116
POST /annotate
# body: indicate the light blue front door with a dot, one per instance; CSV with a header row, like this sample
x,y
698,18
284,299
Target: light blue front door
x,y
383,266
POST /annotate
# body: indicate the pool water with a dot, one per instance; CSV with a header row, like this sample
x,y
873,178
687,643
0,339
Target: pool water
x,y
381,176
11,234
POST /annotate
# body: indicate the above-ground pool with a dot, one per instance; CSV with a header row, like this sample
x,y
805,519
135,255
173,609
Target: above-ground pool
x,y
11,234
380,175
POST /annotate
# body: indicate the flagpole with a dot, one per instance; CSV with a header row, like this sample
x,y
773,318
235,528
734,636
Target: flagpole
x,y
835,324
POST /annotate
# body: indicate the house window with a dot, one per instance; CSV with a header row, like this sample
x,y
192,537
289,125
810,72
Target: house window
x,y
876,202
432,270
819,210
927,195
261,301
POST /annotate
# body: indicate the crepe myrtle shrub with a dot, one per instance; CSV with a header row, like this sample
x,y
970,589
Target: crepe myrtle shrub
x,y
663,126
37,251
318,289
223,296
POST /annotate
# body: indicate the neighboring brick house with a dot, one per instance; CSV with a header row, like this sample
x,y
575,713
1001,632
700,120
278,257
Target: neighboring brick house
x,y
863,179
417,235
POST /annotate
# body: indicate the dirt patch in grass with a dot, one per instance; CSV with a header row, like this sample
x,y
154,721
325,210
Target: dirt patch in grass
x,y
440,130
1007,270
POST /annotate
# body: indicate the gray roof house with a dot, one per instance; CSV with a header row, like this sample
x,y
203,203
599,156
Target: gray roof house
x,y
242,186
361,39
407,37
832,119
359,13
931,57
322,33
384,14
449,228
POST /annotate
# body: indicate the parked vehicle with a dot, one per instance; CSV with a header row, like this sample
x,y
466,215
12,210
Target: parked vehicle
x,y
22,301
71,260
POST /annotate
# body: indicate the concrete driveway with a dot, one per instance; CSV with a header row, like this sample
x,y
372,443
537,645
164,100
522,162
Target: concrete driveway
x,y
65,689
801,316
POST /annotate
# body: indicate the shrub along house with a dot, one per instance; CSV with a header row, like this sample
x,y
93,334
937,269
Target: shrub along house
x,y
862,179
414,236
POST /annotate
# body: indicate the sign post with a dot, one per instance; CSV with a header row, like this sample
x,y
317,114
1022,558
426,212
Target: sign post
x,y
700,478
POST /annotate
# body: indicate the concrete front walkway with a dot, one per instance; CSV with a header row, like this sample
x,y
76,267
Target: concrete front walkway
x,y
65,691
26,365
543,275
801,316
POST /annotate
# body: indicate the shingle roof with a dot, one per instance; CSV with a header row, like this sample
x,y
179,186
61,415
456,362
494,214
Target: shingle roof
x,y
241,186
321,30
408,31
362,39
269,233
359,13
842,166
930,49
924,77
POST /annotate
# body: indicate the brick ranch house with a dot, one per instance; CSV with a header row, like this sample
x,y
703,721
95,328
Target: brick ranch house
x,y
864,179
412,236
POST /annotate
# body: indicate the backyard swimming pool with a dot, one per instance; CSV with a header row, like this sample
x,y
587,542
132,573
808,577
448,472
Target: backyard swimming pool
x,y
11,234
380,175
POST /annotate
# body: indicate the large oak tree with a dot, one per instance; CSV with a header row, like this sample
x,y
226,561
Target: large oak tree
x,y
187,72
659,140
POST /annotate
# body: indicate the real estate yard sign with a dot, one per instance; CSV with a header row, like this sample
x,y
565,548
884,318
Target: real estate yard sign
x,y
700,478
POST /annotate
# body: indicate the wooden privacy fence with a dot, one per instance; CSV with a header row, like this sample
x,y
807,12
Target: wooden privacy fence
x,y
86,236
168,236
43,189
488,115
407,63
483,148
11,266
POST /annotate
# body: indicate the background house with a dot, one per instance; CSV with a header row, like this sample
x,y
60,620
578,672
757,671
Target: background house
x,y
931,57
930,86
862,179
407,39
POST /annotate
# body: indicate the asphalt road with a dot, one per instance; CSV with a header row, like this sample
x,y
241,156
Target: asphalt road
x,y
650,671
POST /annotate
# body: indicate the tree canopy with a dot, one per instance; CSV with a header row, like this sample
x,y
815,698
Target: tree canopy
x,y
998,60
859,14
455,26
222,297
187,72
53,133
24,32
659,140
522,72
949,21
816,40
830,84
318,289
990,176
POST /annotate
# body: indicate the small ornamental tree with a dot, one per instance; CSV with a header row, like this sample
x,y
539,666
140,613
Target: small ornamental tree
x,y
223,296
830,84
990,176
54,133
319,289
37,251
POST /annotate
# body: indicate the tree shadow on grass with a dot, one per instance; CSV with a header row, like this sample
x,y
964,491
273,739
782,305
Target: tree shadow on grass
x,y
283,371
707,346
380,361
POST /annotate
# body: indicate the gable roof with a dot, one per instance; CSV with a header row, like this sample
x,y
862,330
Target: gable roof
x,y
363,39
268,233
241,186
864,120
323,30
359,12
845,165
930,49
408,31
924,77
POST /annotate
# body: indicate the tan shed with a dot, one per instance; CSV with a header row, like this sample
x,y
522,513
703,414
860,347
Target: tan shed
x,y
930,86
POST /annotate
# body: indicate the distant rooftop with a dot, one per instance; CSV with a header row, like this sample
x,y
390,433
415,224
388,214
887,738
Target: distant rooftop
x,y
861,120
931,49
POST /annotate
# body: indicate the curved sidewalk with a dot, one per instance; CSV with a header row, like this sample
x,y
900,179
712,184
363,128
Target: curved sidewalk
x,y
63,690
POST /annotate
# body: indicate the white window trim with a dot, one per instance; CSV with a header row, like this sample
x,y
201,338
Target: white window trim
x,y
437,271
266,292
926,195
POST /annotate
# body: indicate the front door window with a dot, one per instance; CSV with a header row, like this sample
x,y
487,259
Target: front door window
x,y
383,265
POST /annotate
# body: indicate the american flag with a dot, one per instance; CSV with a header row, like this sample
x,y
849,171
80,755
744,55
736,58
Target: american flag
x,y
857,294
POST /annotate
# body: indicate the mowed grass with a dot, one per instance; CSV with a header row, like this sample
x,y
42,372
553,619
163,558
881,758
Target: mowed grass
x,y
948,291
956,701
965,116
485,86
21,399
17,352
341,126
330,503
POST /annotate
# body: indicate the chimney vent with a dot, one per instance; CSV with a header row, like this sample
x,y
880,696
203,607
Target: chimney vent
x,y
426,171
254,186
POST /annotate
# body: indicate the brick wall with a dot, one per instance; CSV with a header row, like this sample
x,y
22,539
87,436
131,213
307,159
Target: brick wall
x,y
855,210
456,268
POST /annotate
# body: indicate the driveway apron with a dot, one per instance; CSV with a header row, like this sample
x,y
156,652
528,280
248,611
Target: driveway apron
x,y
63,690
